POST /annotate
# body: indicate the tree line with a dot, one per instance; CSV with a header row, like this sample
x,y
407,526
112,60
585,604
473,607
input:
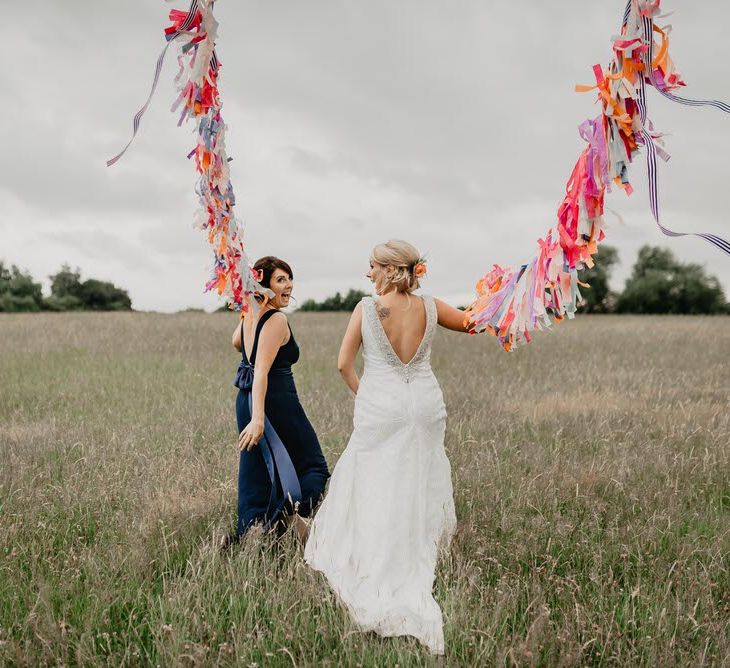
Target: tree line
x,y
20,292
335,303
659,283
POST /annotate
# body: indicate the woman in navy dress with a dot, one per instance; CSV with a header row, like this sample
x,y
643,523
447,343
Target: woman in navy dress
x,y
282,470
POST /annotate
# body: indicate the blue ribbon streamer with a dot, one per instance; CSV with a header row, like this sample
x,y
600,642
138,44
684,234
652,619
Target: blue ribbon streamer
x,y
647,140
160,60
277,460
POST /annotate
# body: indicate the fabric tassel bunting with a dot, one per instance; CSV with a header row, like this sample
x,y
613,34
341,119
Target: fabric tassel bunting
x,y
511,301
514,301
198,100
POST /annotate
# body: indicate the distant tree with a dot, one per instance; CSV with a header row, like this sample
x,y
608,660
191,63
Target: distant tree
x,y
335,303
69,293
598,298
104,296
309,305
67,303
661,284
352,299
66,282
332,303
65,290
18,290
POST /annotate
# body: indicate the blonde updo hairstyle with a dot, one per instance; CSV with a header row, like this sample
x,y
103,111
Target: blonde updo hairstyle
x,y
403,257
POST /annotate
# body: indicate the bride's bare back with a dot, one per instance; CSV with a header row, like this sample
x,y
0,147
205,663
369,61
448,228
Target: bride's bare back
x,y
403,317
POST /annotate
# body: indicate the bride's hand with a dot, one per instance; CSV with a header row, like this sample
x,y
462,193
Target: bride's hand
x,y
251,434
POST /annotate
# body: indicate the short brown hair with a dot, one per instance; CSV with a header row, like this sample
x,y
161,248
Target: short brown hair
x,y
268,265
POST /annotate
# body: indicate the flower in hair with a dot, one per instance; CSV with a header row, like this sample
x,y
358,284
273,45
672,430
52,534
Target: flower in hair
x,y
258,275
419,269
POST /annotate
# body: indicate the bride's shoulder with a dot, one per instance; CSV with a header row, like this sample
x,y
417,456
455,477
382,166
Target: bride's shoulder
x,y
429,299
364,303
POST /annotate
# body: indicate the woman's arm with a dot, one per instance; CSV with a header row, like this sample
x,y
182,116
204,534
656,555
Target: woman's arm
x,y
450,317
273,334
236,338
348,350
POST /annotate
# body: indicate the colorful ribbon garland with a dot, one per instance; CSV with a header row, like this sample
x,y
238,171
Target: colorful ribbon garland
x,y
197,83
512,302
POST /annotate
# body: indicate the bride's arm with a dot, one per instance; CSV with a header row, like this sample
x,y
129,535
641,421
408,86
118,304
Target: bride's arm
x,y
348,350
450,317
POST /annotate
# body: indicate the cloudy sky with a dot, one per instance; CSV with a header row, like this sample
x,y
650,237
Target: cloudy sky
x,y
450,124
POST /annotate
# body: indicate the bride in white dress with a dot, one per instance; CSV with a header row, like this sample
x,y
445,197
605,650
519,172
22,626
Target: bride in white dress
x,y
390,506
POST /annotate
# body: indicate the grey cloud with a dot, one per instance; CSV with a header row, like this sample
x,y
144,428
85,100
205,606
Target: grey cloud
x,y
102,246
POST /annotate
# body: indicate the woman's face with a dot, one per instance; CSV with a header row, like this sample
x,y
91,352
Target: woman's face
x,y
281,285
377,275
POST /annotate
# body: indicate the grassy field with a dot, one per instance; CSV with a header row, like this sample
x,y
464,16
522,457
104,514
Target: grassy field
x,y
591,473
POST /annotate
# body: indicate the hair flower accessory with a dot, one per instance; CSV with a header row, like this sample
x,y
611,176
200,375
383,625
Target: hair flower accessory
x,y
258,274
419,269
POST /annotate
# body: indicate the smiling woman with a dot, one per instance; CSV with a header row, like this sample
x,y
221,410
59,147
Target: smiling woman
x,y
281,469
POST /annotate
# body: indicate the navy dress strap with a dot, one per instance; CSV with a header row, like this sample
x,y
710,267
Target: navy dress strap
x,y
259,326
277,460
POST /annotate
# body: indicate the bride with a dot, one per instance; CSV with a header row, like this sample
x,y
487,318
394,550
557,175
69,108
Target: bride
x,y
390,503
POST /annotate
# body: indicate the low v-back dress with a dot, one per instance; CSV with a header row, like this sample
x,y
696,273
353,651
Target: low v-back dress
x,y
287,464
390,506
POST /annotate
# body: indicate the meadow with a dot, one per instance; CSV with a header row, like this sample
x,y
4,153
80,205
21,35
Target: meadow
x,y
591,473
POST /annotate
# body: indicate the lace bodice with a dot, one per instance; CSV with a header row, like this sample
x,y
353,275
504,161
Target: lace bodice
x,y
378,352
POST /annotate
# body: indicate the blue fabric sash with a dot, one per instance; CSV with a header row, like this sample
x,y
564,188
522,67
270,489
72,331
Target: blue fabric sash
x,y
277,460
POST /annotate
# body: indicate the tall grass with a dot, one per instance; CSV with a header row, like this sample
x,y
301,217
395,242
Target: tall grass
x,y
591,474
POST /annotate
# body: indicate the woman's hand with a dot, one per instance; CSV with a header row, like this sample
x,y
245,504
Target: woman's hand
x,y
251,435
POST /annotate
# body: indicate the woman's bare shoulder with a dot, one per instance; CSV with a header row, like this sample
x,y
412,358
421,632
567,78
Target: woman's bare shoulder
x,y
280,317
276,323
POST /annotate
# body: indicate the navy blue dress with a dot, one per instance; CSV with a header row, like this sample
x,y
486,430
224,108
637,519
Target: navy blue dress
x,y
287,465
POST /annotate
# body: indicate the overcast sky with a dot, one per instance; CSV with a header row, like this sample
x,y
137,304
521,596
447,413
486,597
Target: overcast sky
x,y
450,124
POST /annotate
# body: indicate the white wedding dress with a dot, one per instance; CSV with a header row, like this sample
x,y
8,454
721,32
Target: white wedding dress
x,y
390,506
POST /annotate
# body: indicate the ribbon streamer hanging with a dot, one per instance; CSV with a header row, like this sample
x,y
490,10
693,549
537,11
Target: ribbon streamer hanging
x,y
197,82
184,26
514,301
